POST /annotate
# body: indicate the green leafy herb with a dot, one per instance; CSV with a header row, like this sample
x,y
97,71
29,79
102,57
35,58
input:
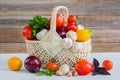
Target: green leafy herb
x,y
90,31
99,70
48,72
38,23
40,73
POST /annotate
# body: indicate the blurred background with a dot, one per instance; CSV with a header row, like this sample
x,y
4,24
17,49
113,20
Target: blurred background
x,y
102,16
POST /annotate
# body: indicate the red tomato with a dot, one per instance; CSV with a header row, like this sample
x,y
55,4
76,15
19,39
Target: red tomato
x,y
59,21
107,64
52,66
83,67
72,19
72,27
27,32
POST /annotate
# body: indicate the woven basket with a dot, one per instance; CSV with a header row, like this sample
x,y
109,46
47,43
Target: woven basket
x,y
50,46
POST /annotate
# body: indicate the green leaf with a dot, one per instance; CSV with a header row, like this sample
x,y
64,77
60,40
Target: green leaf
x,y
38,23
40,73
90,31
49,72
54,72
34,32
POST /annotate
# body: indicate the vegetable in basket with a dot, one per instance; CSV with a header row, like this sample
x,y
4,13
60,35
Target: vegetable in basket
x,y
72,19
38,23
72,35
59,21
58,45
27,32
62,32
41,34
83,35
35,25
72,23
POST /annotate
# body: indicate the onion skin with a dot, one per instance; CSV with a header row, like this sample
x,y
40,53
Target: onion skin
x,y
32,64
62,32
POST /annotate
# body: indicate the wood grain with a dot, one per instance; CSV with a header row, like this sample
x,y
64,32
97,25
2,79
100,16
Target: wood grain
x,y
11,35
106,47
111,22
21,47
12,48
55,1
99,35
80,8
103,16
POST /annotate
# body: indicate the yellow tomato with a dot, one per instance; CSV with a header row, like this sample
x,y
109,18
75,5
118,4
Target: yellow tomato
x,y
15,63
82,35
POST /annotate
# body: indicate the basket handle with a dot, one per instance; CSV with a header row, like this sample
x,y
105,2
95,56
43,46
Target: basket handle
x,y
54,13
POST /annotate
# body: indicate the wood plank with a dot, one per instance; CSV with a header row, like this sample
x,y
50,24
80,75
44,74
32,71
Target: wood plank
x,y
38,1
81,8
99,35
21,47
11,35
106,35
12,47
54,1
106,47
112,22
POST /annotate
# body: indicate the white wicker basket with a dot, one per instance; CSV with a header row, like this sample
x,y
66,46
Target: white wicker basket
x,y
50,46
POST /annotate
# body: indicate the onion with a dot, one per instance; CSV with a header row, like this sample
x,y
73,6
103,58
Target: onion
x,y
62,32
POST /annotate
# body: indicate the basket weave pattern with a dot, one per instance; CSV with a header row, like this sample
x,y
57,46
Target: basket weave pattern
x,y
64,56
70,58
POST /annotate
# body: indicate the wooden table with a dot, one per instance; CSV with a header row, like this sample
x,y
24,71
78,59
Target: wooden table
x,y
6,74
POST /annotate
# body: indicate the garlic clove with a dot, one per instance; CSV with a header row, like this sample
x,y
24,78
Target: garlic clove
x,y
69,74
80,27
72,35
67,43
59,73
75,73
64,69
41,34
76,47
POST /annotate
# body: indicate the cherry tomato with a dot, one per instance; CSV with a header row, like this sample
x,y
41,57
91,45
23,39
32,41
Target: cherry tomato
x,y
72,27
52,66
72,19
107,64
27,32
59,21
83,67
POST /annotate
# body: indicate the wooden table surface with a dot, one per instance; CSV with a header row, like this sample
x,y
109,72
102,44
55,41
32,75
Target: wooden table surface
x,y
103,16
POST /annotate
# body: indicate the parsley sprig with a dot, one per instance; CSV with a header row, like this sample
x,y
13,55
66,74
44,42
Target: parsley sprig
x,y
47,72
38,23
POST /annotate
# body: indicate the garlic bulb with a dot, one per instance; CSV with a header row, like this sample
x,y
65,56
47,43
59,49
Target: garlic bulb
x,y
69,74
80,27
41,34
64,68
75,73
59,73
72,35
76,47
67,43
